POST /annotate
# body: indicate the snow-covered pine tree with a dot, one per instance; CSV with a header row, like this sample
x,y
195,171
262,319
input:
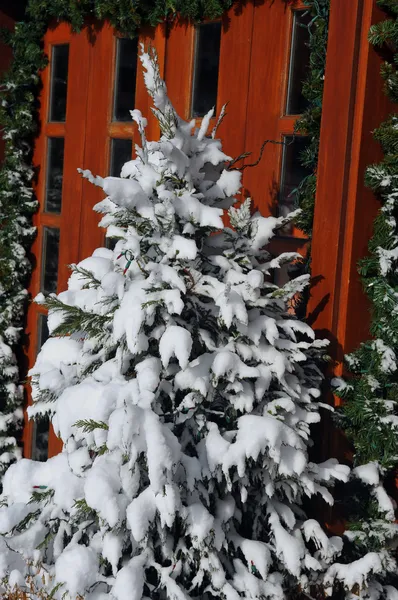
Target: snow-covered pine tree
x,y
183,390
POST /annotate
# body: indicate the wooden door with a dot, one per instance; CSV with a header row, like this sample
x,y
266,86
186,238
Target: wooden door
x,y
88,88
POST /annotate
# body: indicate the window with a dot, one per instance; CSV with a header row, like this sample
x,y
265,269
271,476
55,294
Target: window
x,y
206,65
121,151
41,427
41,430
59,82
55,172
292,174
125,79
299,63
50,252
42,329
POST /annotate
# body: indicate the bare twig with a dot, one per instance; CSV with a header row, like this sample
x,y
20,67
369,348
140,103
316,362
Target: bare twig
x,y
246,154
220,119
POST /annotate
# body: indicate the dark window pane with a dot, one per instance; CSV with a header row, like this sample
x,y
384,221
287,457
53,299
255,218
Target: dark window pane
x,y
49,276
41,427
42,331
207,58
110,243
292,174
299,64
59,82
125,78
55,172
121,151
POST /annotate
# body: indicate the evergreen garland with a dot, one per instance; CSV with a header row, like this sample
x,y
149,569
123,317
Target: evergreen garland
x,y
309,123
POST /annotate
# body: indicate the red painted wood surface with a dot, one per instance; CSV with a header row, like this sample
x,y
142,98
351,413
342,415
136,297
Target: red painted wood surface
x,y
354,104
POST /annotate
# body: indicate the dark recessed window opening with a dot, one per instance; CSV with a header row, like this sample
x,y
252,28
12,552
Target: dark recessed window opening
x,y
110,243
125,79
55,174
41,429
42,331
49,275
41,426
292,174
206,65
59,82
121,151
299,64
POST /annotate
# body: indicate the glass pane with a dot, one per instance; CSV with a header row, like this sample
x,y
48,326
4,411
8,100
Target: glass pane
x,y
110,243
292,174
41,429
55,172
42,331
59,82
299,64
125,78
49,276
121,151
207,58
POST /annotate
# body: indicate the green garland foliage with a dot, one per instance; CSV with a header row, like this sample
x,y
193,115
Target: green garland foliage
x,y
309,123
370,413
125,15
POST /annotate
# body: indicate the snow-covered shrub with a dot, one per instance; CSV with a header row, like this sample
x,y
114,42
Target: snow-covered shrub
x,y
183,390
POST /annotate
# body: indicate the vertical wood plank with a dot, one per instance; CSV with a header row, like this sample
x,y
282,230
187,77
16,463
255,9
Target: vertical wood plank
x,y
371,108
98,115
353,105
75,141
178,69
233,80
271,27
334,160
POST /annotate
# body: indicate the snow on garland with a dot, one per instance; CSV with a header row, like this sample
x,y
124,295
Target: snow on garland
x,y
183,390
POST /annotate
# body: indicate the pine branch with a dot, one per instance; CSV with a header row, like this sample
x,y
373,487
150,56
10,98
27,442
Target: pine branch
x,y
89,425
